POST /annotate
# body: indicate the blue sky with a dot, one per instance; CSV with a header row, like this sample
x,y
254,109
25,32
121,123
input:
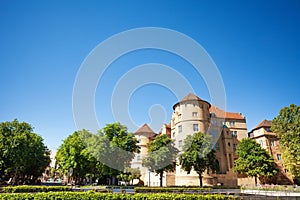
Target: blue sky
x,y
255,45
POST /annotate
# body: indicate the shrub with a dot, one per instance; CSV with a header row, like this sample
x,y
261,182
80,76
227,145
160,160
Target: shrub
x,y
101,196
26,188
170,189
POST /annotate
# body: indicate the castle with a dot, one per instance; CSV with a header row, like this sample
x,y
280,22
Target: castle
x,y
191,115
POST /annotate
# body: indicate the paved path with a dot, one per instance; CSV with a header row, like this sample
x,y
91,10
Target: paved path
x,y
272,193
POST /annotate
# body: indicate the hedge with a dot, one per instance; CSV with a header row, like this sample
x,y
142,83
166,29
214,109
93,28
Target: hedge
x,y
170,189
27,188
100,196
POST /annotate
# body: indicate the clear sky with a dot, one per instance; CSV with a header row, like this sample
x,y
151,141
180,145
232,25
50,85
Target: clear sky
x,y
255,45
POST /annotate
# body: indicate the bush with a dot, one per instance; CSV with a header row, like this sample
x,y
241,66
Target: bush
x,y
100,196
170,189
26,188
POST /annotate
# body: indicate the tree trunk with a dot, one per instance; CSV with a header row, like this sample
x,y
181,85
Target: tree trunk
x,y
161,178
200,179
255,178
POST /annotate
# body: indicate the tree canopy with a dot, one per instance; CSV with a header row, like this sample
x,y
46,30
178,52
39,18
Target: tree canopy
x,y
198,154
253,160
114,146
161,155
74,159
287,127
23,155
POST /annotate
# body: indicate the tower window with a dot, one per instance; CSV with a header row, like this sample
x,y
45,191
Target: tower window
x,y
234,146
195,114
217,147
234,134
279,157
180,128
195,127
180,143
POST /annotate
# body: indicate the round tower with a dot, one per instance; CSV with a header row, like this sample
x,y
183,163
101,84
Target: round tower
x,y
190,115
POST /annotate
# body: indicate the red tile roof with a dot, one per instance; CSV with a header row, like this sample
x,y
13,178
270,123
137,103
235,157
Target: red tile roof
x,y
264,123
227,115
190,97
146,130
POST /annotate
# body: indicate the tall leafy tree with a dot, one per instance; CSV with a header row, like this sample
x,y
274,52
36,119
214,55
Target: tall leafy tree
x,y
198,154
74,159
114,146
23,155
287,127
161,155
253,160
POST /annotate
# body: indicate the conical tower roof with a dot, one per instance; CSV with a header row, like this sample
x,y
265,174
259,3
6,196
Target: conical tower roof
x,y
190,97
145,130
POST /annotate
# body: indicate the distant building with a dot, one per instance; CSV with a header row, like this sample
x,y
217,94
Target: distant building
x,y
144,135
263,135
192,115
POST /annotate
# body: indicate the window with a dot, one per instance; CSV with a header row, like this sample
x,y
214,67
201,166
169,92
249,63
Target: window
x,y
180,128
212,115
229,144
234,146
138,158
179,117
180,143
173,134
234,134
268,129
279,157
272,143
213,122
195,114
232,123
261,143
195,127
217,147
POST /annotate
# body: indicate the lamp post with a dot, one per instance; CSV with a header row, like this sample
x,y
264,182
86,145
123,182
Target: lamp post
x,y
149,177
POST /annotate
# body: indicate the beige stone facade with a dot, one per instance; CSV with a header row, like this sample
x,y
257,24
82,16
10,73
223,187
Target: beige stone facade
x,y
263,135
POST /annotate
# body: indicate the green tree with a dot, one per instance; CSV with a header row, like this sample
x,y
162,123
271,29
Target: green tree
x,y
23,155
287,127
253,160
74,159
161,155
114,146
198,154
129,174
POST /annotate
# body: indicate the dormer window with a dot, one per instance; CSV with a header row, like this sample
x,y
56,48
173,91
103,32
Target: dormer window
x,y
268,129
